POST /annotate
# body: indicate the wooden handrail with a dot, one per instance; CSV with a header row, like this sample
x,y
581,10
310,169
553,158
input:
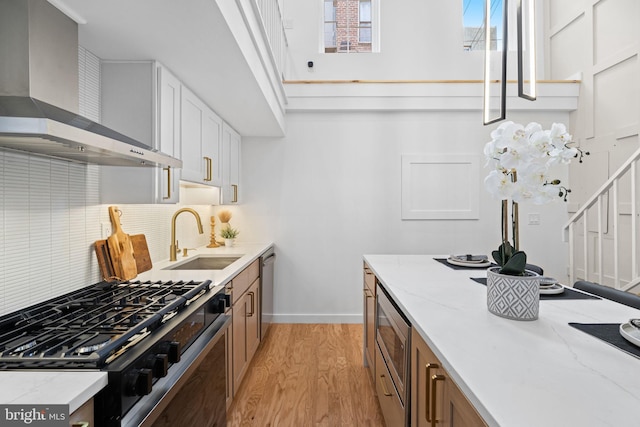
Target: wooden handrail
x,y
295,82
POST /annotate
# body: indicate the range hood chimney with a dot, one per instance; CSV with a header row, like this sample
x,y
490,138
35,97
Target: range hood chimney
x,y
39,93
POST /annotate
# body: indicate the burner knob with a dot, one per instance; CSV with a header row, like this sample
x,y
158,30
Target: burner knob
x,y
159,364
172,350
140,382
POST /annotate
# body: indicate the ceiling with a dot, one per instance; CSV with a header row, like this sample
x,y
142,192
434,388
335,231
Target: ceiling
x,y
192,39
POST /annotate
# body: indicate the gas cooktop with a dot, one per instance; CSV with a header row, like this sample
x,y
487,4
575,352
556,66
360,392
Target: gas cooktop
x,y
93,326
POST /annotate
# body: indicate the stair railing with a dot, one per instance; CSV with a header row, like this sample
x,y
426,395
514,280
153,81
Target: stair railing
x,y
598,200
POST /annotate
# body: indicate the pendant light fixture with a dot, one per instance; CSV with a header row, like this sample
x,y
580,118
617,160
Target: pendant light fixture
x,y
495,78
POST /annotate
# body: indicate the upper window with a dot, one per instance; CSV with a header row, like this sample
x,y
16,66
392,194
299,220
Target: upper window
x,y
349,26
473,24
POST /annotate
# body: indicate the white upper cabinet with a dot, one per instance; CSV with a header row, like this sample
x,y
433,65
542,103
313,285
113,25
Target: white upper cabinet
x,y
201,136
141,99
230,193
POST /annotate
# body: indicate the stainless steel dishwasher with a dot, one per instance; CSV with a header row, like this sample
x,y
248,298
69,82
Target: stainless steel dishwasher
x,y
267,265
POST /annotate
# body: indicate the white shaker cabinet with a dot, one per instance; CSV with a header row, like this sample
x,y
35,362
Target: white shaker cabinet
x,y
201,148
141,99
230,166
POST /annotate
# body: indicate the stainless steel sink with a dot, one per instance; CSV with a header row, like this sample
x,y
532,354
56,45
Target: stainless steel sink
x,y
205,262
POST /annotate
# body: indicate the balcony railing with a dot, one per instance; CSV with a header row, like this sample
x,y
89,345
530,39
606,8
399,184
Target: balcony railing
x,y
273,31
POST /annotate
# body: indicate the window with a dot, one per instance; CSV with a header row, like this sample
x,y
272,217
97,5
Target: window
x,y
349,26
364,35
330,25
473,24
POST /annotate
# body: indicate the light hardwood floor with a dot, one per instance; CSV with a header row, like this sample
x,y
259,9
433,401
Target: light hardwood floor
x,y
307,375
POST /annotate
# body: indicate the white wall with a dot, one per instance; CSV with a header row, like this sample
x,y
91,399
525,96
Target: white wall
x,y
419,40
599,40
329,192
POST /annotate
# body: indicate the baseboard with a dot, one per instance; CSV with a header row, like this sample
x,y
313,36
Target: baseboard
x,y
317,318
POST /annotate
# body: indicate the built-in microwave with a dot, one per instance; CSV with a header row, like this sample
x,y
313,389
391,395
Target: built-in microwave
x,y
393,334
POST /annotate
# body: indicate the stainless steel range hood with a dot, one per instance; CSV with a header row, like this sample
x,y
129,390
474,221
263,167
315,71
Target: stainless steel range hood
x,y
39,93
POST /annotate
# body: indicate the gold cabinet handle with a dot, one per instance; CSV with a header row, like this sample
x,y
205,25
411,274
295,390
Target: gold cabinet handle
x,y
427,399
253,311
367,293
208,173
383,384
235,193
168,169
434,399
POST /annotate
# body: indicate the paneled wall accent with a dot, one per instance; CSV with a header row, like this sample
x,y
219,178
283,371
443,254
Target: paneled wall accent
x,y
443,186
50,216
598,41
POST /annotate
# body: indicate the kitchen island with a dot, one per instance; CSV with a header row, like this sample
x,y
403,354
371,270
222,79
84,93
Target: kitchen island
x,y
537,373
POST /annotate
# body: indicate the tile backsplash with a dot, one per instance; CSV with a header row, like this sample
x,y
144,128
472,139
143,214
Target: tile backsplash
x,y
51,215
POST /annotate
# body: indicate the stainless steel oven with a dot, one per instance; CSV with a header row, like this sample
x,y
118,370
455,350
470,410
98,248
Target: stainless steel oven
x,y
393,334
162,345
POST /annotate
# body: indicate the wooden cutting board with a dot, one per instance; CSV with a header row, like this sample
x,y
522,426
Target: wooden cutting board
x,y
141,253
121,249
104,260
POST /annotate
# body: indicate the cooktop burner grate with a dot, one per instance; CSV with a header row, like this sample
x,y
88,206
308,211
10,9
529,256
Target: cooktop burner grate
x,y
91,324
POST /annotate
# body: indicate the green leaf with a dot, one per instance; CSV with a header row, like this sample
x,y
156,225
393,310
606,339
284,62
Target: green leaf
x,y
516,264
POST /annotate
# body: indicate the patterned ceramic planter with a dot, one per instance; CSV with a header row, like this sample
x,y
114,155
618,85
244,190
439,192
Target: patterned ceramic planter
x,y
513,297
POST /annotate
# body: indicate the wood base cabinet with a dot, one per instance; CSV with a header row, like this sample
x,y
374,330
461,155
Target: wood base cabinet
x,y
369,320
435,399
83,416
245,297
246,332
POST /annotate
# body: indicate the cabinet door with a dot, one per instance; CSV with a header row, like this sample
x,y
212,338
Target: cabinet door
x,y
369,310
369,330
83,415
460,412
240,310
212,147
193,162
230,166
253,319
140,99
435,399
168,131
427,385
228,336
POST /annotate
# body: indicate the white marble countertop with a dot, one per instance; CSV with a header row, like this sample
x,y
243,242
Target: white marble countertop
x,y
73,388
537,373
249,251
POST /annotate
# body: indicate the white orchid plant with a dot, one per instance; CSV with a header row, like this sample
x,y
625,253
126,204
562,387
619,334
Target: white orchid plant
x,y
522,158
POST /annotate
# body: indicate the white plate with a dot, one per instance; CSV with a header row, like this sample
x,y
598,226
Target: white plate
x,y
630,333
547,281
476,259
469,264
552,290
